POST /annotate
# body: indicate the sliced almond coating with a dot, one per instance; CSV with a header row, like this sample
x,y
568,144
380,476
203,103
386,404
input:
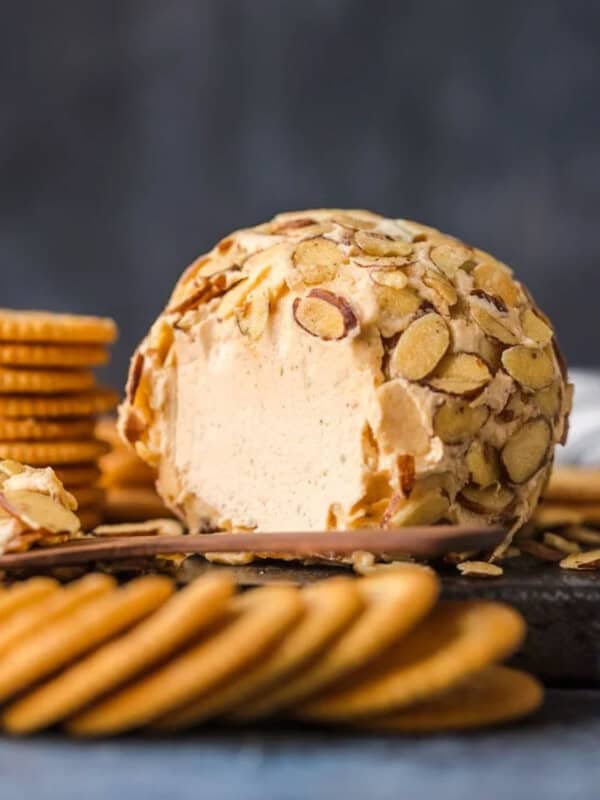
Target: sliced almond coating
x,y
451,257
378,244
491,321
442,286
406,473
494,279
394,278
535,328
422,509
532,368
236,296
581,534
479,569
325,315
253,317
582,561
455,421
39,512
318,260
482,463
395,305
548,401
151,527
387,262
527,450
420,348
492,500
559,542
460,373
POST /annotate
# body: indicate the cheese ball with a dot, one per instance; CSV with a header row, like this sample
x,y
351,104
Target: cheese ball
x,y
337,369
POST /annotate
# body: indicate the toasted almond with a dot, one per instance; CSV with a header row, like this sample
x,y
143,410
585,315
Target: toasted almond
x,y
455,421
395,306
491,500
424,508
532,368
325,315
491,321
442,286
394,278
548,401
420,348
38,511
482,463
590,560
535,328
527,450
318,260
253,316
496,280
378,244
460,373
559,542
479,569
237,295
451,257
582,535
152,527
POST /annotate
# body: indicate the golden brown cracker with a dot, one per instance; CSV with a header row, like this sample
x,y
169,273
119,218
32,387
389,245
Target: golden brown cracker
x,y
179,621
495,696
47,355
25,593
574,485
254,623
77,474
87,496
330,606
122,467
555,515
459,639
44,453
134,504
395,600
90,518
31,429
96,401
45,381
44,326
35,616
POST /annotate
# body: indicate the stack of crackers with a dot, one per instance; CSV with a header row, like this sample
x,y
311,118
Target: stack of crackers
x,y
129,483
378,653
49,398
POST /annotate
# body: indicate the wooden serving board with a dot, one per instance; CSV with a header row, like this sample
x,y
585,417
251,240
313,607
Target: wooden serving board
x,y
562,608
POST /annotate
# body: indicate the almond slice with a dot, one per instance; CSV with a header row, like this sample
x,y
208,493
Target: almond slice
x,y
492,500
151,527
420,348
395,305
535,328
38,511
526,451
532,368
443,287
483,464
451,257
460,373
379,244
491,321
548,401
253,317
394,278
560,543
325,315
424,508
479,569
455,421
582,561
318,260
496,280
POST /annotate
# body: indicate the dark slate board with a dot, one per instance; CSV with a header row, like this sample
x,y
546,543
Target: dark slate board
x,y
562,609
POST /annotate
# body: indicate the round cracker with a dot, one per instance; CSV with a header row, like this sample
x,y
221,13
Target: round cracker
x,y
35,616
459,639
47,355
495,696
556,515
133,504
45,381
180,620
23,594
329,607
40,454
31,429
396,599
66,639
97,401
254,623
44,326
78,475
87,496
574,485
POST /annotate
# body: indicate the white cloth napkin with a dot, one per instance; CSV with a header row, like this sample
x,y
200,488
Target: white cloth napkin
x,y
583,445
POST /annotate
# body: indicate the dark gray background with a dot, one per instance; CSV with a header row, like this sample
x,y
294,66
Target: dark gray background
x,y
135,133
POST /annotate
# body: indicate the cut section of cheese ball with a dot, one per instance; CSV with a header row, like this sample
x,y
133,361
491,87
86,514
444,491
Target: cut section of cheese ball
x,y
337,369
